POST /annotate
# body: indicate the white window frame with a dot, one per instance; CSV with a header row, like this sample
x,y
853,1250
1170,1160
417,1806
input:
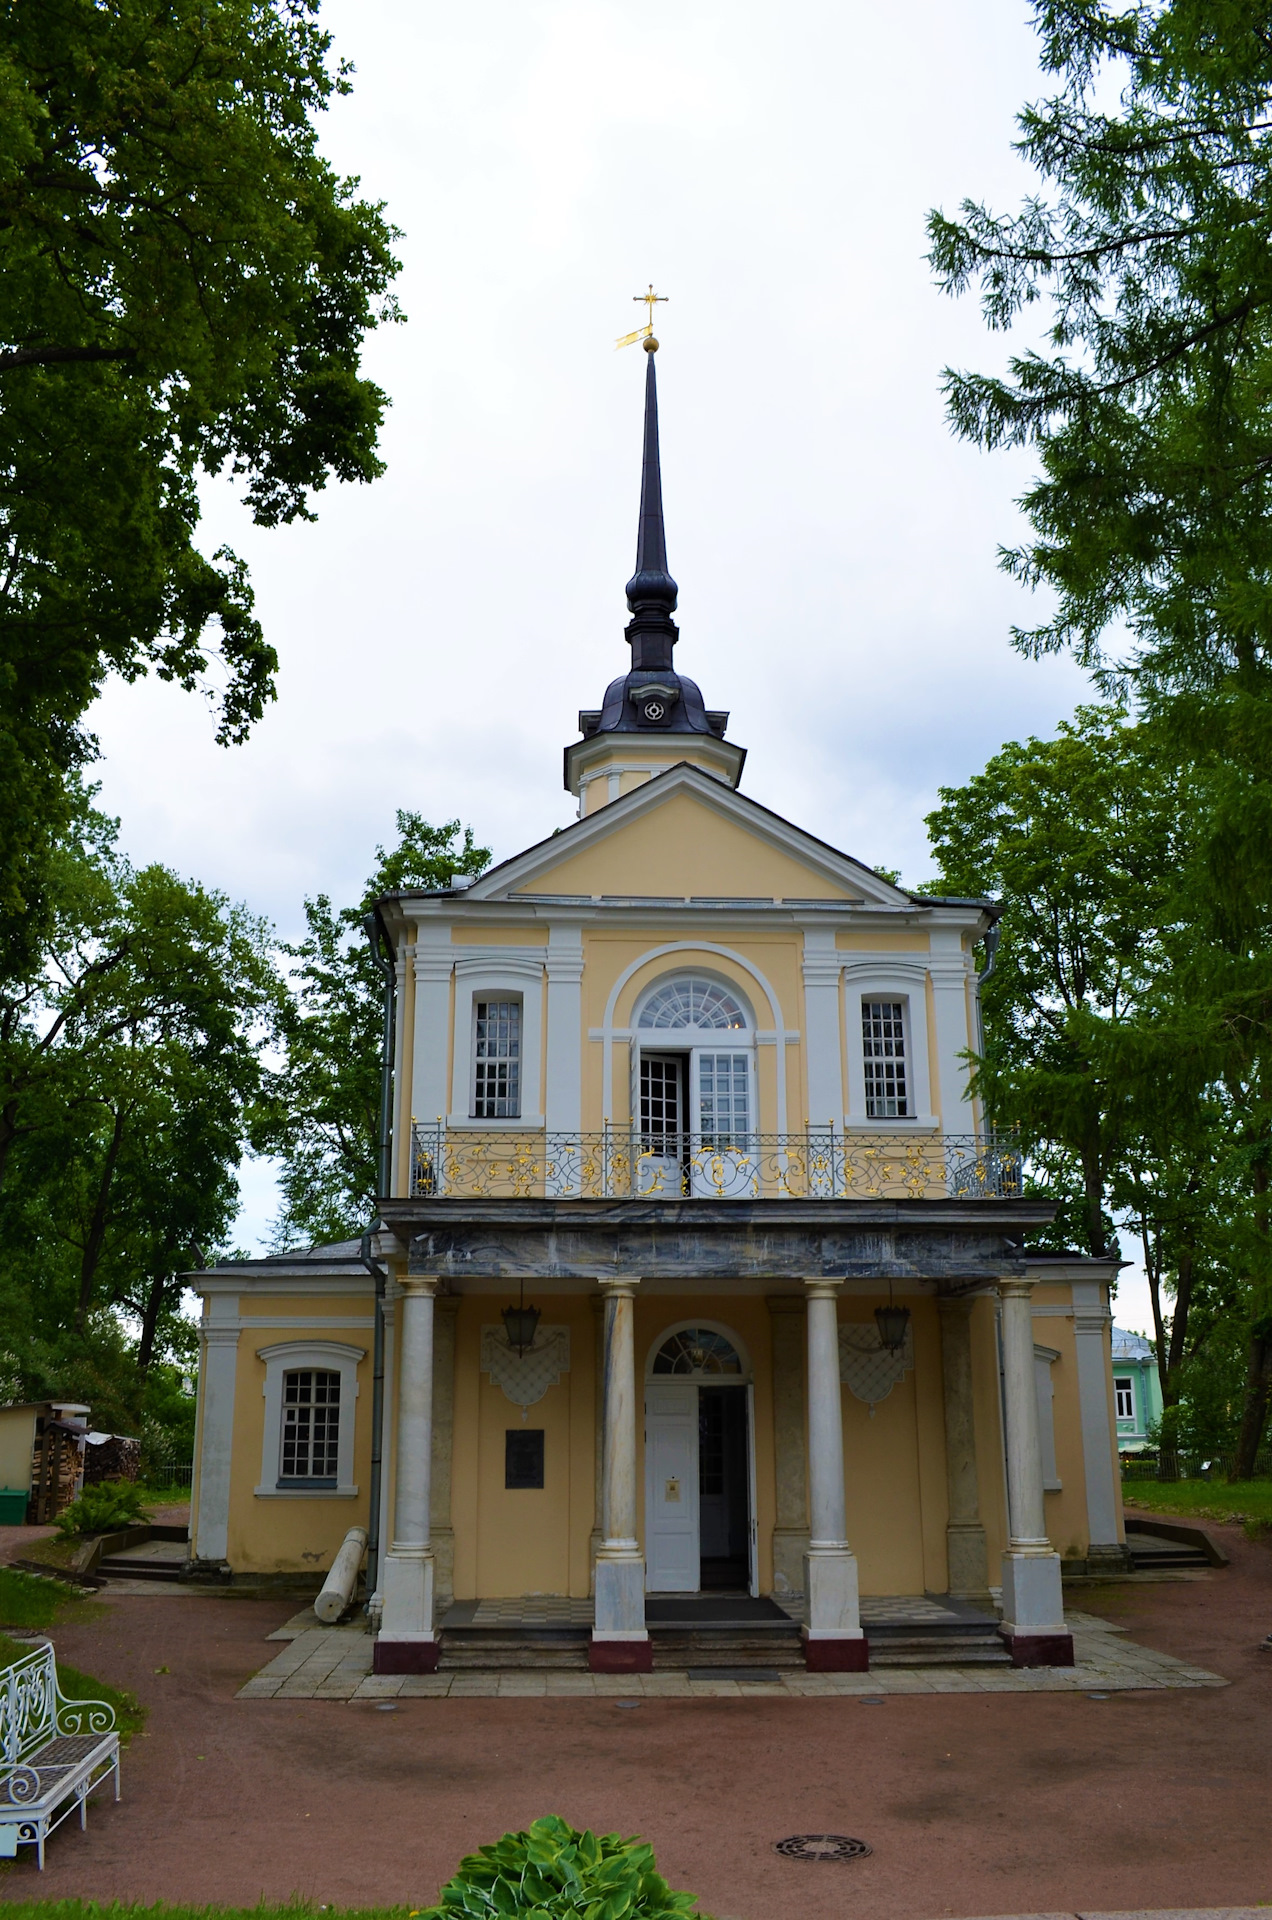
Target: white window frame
x,y
1129,1378
291,1356
485,979
498,996
691,1042
883,978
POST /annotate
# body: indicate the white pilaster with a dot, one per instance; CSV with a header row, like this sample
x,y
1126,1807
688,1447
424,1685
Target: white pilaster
x,y
407,1641
950,971
822,1044
1033,1606
400,1162
218,1370
434,962
619,1638
1092,1323
832,1636
563,1105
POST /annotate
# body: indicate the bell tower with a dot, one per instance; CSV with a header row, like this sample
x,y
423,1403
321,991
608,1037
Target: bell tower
x,y
652,717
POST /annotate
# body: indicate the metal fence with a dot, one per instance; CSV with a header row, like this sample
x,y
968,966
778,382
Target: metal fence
x,y
1189,1466
623,1163
170,1479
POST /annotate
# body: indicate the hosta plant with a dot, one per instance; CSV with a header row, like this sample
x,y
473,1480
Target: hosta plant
x,y
103,1508
552,1871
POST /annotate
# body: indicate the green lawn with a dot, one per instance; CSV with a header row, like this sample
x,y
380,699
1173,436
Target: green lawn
x,y
1244,1500
34,1600
130,1718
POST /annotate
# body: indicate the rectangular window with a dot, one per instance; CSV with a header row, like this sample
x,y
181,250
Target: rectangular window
x,y
661,1115
1125,1393
523,1457
724,1099
311,1428
497,1078
883,1047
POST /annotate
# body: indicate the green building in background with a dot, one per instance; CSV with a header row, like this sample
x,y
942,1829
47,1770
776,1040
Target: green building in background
x,y
1137,1392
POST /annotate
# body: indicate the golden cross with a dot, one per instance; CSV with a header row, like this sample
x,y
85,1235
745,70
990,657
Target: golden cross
x,y
651,300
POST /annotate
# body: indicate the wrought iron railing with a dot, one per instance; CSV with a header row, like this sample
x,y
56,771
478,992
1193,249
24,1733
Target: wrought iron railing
x,y
626,1163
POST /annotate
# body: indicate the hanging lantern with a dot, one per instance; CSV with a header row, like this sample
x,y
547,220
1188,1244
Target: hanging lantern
x,y
893,1323
521,1323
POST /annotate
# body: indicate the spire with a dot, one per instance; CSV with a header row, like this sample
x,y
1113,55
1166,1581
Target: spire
x,y
651,591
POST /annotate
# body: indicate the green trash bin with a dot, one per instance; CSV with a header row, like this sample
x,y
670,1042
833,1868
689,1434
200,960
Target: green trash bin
x,y
13,1506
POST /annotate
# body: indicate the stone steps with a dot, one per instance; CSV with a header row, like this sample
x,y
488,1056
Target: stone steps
x,y
122,1568
939,1650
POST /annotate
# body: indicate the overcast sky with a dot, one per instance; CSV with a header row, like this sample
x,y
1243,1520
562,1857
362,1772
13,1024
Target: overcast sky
x,y
770,170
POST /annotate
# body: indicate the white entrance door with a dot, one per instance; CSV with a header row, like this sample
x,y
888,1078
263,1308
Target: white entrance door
x,y
671,1486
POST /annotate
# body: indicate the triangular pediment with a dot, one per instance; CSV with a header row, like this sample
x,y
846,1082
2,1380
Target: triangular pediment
x,y
685,835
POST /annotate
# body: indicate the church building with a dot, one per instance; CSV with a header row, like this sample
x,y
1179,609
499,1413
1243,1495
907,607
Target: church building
x,y
700,1305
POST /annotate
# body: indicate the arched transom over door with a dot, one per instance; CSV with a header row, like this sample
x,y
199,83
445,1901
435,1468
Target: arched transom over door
x,y
699,1473
694,1067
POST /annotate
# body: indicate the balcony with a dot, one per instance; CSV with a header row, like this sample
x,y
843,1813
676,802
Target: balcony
x,y
623,1163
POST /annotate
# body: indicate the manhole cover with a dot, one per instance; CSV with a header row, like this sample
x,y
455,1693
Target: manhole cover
x,y
821,1846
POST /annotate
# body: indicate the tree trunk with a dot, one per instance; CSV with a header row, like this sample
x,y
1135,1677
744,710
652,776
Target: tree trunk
x,y
97,1229
1254,1416
150,1322
1093,1182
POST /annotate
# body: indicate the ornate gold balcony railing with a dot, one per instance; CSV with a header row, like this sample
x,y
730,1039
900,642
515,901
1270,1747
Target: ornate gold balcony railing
x,y
628,1164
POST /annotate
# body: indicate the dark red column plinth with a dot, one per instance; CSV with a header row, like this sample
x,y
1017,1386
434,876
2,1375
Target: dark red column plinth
x,y
1040,1649
836,1656
405,1656
621,1656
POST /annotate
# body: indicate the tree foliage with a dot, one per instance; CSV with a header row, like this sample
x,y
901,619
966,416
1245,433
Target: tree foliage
x,y
320,1114
185,287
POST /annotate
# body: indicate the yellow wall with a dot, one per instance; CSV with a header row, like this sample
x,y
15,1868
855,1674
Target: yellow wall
x,y
685,847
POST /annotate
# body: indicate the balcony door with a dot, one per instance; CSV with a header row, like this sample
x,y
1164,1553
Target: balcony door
x,y
695,1122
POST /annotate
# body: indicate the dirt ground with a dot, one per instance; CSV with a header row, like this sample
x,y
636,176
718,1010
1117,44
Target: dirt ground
x,y
974,1804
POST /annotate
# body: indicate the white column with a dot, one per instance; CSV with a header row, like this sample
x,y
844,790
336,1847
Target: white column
x,y
832,1636
822,1050
620,1642
1033,1606
407,1642
218,1370
1092,1322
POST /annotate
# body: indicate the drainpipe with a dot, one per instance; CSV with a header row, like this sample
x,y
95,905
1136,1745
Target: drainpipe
x,y
375,933
993,934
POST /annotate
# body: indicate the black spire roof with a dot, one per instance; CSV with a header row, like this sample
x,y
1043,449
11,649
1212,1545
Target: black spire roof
x,y
652,697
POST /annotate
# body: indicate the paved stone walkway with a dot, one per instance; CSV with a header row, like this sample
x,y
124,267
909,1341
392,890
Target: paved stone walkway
x,y
334,1663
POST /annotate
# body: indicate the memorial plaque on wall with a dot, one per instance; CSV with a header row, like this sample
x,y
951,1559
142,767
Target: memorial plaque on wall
x,y
523,1457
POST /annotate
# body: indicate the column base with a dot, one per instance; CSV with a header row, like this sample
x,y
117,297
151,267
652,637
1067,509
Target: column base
x,y
835,1655
831,1605
406,1585
1033,1602
405,1656
621,1656
967,1557
1038,1649
620,1595
1110,1558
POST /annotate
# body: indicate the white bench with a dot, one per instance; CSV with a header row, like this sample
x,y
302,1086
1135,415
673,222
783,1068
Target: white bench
x,y
53,1752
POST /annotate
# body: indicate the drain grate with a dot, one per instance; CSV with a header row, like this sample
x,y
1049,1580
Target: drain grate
x,y
821,1846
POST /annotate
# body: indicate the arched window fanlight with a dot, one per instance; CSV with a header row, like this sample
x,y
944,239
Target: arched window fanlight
x,y
697,1350
690,1002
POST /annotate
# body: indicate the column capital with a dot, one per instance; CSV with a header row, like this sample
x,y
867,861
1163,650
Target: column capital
x,y
618,1286
416,1284
816,1288
1015,1286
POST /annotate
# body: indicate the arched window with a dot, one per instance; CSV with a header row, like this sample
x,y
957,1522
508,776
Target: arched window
x,y
691,1002
697,1352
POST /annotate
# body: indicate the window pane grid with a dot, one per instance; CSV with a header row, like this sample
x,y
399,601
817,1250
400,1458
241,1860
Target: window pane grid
x,y
724,1098
311,1425
692,1003
497,1084
1125,1399
883,1047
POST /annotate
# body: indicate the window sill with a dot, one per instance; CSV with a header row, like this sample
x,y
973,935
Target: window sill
x,y
899,1123
466,1123
306,1493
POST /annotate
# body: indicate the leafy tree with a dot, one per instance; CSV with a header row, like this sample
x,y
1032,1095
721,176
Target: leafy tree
x,y
1078,836
128,1063
1150,406
321,1111
185,286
